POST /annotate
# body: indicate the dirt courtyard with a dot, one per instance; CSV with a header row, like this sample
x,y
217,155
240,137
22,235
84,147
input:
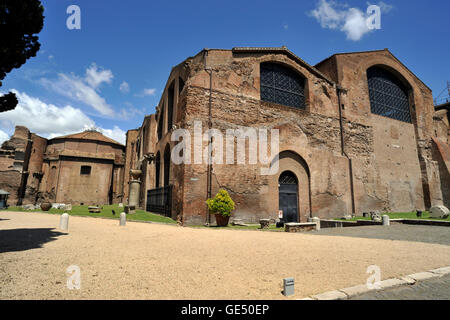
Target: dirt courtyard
x,y
153,261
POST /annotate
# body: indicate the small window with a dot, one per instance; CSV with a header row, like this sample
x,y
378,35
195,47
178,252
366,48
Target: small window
x,y
85,170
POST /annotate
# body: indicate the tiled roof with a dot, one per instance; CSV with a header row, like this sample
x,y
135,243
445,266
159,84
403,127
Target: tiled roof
x,y
89,135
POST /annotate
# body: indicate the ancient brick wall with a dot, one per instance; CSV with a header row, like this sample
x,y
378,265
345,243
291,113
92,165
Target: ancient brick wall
x,y
389,163
400,174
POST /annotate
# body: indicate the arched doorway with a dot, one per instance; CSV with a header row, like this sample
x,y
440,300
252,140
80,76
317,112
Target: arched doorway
x,y
288,196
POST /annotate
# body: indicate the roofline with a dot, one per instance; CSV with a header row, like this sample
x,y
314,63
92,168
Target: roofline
x,y
112,141
443,106
371,51
289,53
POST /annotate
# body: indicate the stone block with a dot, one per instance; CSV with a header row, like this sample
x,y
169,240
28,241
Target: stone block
x,y
441,271
130,209
439,212
423,276
265,223
330,295
93,209
356,290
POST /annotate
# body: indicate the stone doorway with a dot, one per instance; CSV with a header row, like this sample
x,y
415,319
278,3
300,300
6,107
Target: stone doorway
x,y
288,196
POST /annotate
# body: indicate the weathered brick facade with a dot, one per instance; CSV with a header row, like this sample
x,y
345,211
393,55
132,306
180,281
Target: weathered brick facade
x,y
34,169
347,159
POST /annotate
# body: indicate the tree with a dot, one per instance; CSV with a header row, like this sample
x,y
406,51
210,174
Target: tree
x,y
20,22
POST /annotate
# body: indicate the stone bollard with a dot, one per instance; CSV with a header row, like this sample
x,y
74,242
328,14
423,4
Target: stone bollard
x,y
64,222
317,221
386,220
123,219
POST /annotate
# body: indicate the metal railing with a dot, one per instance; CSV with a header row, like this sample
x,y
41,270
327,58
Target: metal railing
x,y
159,200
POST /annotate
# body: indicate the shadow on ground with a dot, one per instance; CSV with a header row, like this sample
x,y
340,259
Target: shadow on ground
x,y
427,234
25,239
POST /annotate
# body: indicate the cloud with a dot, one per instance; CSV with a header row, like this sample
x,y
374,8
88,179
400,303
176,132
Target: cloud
x,y
147,92
352,21
77,89
3,136
385,8
124,87
116,134
51,121
95,77
355,25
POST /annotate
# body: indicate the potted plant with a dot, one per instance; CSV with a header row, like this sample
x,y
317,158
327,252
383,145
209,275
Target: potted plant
x,y
221,206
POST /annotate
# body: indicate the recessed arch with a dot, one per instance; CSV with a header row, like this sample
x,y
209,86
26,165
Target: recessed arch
x,y
294,170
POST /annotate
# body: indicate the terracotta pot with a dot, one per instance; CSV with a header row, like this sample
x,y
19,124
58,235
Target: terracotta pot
x,y
221,220
45,206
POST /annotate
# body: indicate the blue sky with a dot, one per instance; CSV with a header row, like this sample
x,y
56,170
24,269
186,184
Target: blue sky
x,y
111,73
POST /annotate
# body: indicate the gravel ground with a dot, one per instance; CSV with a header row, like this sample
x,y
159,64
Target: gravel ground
x,y
152,261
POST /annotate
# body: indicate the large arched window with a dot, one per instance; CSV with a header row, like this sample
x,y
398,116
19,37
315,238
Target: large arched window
x,y
157,169
170,106
160,122
282,85
388,96
167,165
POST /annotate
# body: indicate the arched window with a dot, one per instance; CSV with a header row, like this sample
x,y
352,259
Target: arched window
x,y
157,169
160,122
388,96
166,165
288,177
180,85
282,85
170,106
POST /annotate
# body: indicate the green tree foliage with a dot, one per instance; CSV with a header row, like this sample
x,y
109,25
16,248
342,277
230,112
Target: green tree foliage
x,y
221,204
20,22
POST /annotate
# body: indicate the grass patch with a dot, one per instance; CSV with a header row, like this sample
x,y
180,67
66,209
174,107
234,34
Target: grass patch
x,y
106,212
402,215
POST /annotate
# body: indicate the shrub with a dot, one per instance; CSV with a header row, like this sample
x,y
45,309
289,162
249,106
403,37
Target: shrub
x,y
221,204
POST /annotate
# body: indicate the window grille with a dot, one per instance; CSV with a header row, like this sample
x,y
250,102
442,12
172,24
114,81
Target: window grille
x,y
288,177
388,97
282,85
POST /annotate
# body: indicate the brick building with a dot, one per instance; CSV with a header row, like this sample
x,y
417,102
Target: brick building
x,y
83,168
356,134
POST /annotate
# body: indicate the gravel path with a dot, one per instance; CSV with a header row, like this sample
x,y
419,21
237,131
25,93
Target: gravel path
x,y
152,261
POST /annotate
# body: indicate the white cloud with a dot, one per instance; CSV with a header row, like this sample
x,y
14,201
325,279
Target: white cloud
x,y
148,92
95,77
385,8
76,89
333,15
124,87
116,134
50,121
355,25
3,136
